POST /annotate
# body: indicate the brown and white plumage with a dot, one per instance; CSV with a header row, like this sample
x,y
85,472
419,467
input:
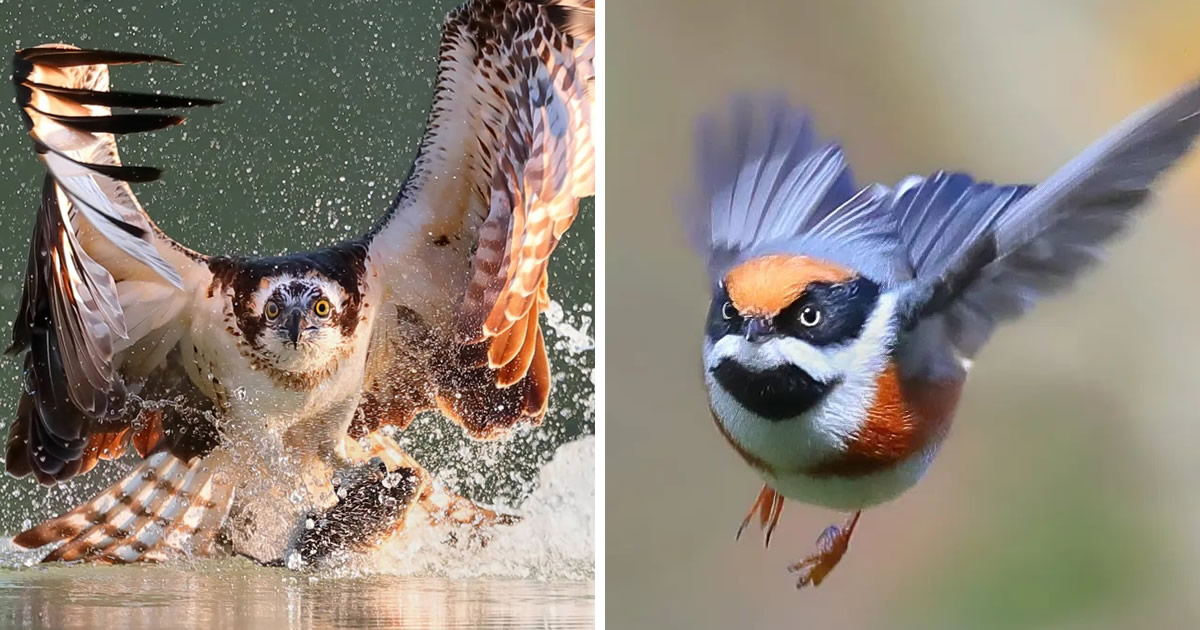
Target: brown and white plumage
x,y
102,280
261,357
491,199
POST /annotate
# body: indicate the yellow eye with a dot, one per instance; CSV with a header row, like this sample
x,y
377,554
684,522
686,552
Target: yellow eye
x,y
272,310
321,308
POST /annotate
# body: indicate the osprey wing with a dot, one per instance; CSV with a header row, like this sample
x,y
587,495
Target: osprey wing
x,y
506,156
100,275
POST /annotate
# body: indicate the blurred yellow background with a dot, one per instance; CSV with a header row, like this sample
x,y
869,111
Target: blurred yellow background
x,y
1068,495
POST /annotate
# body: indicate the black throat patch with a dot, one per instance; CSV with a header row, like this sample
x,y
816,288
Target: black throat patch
x,y
780,393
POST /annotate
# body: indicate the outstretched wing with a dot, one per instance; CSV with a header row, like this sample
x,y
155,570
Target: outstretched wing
x,y
100,276
506,157
983,254
765,184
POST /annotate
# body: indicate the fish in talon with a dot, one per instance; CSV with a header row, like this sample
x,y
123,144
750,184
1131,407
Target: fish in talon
x,y
369,510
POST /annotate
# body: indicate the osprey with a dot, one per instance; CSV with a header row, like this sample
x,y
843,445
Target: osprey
x,y
245,382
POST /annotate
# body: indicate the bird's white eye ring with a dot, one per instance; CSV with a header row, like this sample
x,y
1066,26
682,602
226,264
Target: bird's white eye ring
x,y
728,311
810,316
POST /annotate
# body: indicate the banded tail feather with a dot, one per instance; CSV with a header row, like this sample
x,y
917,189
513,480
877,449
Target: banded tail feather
x,y
165,507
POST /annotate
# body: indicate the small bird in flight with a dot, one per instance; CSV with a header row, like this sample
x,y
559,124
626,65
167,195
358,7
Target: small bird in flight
x,y
843,320
240,379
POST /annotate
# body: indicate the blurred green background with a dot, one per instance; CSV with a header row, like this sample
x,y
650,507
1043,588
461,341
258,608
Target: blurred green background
x,y
1067,495
324,107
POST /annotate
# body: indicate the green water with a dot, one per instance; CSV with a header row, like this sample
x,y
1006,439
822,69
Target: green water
x,y
230,595
324,106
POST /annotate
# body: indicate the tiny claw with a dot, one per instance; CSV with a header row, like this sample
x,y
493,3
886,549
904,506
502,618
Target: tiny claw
x,y
773,519
813,569
742,528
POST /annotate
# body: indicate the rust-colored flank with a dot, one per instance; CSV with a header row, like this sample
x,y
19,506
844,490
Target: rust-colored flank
x,y
905,416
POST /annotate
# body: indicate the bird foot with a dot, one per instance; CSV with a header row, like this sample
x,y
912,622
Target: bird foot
x,y
831,546
446,507
768,507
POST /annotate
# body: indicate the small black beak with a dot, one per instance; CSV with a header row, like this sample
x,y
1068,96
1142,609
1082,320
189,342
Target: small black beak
x,y
293,326
758,328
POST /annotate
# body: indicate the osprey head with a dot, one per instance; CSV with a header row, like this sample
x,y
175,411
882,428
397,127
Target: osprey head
x,y
298,324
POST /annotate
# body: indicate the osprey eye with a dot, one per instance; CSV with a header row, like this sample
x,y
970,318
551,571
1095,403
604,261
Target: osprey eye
x,y
810,316
728,311
272,310
322,308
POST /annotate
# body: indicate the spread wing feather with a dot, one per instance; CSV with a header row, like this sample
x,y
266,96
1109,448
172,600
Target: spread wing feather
x,y
1040,238
90,235
507,155
766,184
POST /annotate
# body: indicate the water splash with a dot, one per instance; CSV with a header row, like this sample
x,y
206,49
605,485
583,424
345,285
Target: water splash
x,y
555,539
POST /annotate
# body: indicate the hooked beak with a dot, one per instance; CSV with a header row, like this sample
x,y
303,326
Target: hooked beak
x,y
292,325
758,329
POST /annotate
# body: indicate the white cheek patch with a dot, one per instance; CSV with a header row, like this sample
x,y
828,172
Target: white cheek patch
x,y
774,353
844,410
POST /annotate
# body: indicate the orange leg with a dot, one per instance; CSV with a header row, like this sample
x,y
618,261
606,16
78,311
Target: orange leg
x,y
769,507
831,546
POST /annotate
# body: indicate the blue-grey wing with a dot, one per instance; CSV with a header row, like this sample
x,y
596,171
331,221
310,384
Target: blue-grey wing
x,y
766,184
1035,241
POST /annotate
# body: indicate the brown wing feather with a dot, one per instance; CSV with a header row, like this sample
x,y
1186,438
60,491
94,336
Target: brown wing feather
x,y
506,157
70,321
542,166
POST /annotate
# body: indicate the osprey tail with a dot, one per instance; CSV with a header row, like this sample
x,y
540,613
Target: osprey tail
x,y
165,507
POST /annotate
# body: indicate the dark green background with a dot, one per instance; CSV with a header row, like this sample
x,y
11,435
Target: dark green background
x,y
324,107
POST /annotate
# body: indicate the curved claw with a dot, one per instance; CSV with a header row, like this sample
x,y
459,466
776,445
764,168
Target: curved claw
x,y
444,506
